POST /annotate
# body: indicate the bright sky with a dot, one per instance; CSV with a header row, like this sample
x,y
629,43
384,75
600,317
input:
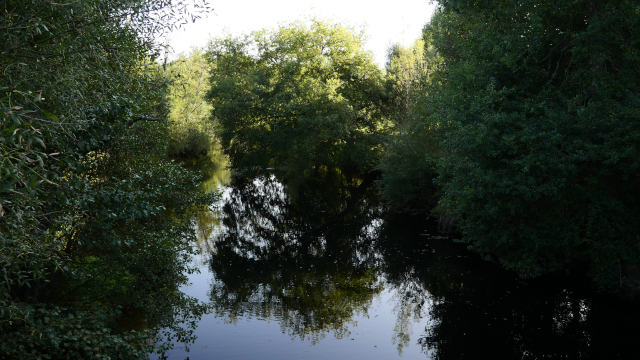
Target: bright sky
x,y
384,22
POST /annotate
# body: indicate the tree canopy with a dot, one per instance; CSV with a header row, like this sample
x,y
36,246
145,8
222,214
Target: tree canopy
x,y
298,97
535,108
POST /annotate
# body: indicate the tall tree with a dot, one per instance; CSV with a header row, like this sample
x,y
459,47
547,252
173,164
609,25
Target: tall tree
x,y
189,111
408,166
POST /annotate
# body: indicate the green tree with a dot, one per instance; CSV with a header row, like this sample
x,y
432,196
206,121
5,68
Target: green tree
x,y
189,112
93,216
408,72
298,98
537,108
408,164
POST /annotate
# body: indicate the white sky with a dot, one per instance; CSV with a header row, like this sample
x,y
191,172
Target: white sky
x,y
384,22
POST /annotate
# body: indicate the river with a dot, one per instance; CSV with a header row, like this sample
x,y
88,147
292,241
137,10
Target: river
x,y
314,268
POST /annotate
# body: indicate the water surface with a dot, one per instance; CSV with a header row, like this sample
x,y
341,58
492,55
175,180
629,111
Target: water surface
x,y
314,268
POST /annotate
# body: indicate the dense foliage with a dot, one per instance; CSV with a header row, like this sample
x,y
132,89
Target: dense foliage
x,y
518,121
94,224
408,167
535,110
298,98
189,113
539,110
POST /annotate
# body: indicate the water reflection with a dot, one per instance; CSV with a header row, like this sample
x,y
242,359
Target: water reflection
x,y
318,255
215,168
300,257
477,309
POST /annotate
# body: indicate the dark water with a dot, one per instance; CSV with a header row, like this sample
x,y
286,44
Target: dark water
x,y
314,268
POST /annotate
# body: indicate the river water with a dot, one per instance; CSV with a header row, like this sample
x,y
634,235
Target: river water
x,y
314,268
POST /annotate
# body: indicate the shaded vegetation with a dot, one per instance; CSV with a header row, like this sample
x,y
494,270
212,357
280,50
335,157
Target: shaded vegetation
x,y
408,164
513,123
536,115
94,223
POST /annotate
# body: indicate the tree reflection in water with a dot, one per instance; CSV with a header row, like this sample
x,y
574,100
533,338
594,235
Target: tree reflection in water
x,y
303,256
476,308
313,254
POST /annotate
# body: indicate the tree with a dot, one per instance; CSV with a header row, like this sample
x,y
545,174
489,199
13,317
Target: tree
x,y
408,164
189,112
408,71
536,107
94,217
298,98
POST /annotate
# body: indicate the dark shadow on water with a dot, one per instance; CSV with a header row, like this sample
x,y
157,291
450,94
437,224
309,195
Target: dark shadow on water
x,y
478,310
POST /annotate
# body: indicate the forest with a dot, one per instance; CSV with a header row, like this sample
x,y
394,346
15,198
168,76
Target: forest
x,y
513,127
